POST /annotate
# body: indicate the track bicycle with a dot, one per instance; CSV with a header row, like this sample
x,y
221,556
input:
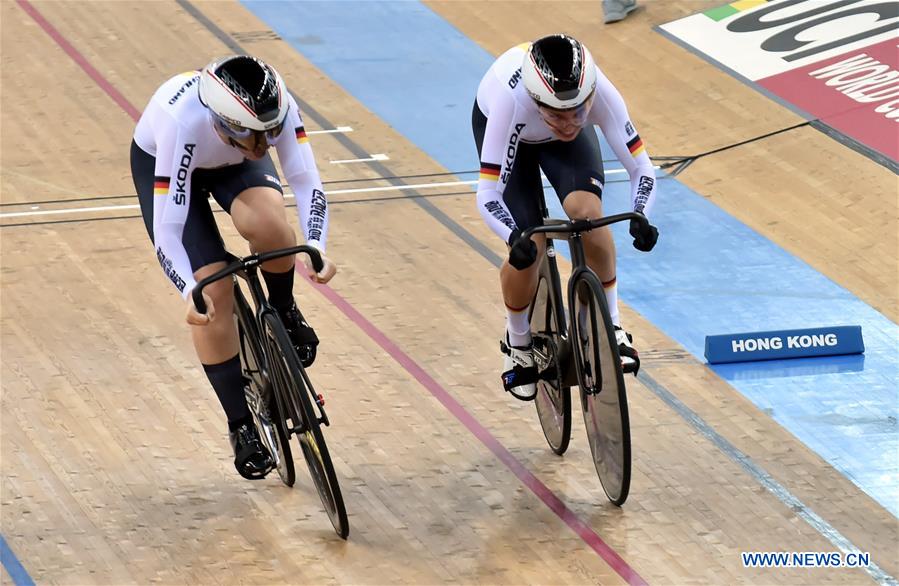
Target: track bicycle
x,y
577,346
280,395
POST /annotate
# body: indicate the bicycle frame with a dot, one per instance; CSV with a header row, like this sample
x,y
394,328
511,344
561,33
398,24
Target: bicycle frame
x,y
248,323
586,355
247,268
549,271
248,265
294,395
249,318
571,232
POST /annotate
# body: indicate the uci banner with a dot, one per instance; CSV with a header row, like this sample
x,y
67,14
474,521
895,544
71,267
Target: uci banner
x,y
836,61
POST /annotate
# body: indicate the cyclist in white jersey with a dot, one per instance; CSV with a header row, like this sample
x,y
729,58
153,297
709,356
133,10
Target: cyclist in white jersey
x,y
535,111
208,133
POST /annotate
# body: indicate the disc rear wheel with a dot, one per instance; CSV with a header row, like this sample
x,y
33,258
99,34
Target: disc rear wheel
x,y
553,399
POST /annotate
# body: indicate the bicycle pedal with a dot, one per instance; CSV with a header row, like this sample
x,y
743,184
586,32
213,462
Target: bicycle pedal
x,y
548,374
320,399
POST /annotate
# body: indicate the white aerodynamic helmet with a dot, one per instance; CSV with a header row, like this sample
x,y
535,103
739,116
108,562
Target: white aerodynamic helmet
x,y
244,95
559,72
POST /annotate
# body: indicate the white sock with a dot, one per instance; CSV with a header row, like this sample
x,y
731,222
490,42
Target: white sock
x,y
611,290
518,326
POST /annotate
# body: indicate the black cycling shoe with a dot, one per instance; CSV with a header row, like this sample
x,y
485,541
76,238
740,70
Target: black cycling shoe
x,y
251,459
301,334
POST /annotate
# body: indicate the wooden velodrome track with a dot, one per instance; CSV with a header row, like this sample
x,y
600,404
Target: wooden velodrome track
x,y
115,464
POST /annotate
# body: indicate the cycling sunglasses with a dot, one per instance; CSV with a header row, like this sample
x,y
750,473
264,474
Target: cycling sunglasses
x,y
574,115
239,132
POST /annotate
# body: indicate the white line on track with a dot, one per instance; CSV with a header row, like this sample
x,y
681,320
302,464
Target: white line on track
x,y
332,130
416,186
374,157
90,209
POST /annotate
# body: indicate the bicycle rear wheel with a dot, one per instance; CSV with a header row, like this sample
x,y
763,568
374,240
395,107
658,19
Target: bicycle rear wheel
x,y
603,395
265,412
553,400
296,402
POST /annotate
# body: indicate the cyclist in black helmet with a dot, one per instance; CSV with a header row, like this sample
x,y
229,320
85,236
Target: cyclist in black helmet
x,y
535,111
208,133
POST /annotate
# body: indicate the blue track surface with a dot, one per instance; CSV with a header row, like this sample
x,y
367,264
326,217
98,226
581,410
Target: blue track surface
x,y
710,273
13,567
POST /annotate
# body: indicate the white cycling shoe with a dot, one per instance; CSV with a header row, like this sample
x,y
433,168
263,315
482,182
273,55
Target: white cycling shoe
x,y
630,358
519,370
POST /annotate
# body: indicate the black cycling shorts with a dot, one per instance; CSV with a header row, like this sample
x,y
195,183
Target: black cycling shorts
x,y
569,166
201,237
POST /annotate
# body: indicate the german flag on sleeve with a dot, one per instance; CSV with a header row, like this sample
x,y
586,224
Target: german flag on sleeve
x,y
301,135
489,171
160,185
635,146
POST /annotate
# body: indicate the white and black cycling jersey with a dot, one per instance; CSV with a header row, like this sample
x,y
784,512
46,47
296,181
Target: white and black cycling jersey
x,y
513,118
176,129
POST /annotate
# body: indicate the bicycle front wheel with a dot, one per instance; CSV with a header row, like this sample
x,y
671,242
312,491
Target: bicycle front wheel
x,y
603,395
296,402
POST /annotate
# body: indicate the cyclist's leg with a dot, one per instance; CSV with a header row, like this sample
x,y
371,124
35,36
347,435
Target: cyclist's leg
x,y
599,246
216,342
251,194
518,287
216,345
521,195
576,172
258,214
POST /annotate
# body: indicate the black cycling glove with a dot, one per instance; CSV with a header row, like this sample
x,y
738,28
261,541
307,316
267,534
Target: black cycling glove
x,y
644,238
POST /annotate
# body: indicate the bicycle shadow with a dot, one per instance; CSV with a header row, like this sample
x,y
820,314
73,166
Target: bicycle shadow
x,y
437,519
496,517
